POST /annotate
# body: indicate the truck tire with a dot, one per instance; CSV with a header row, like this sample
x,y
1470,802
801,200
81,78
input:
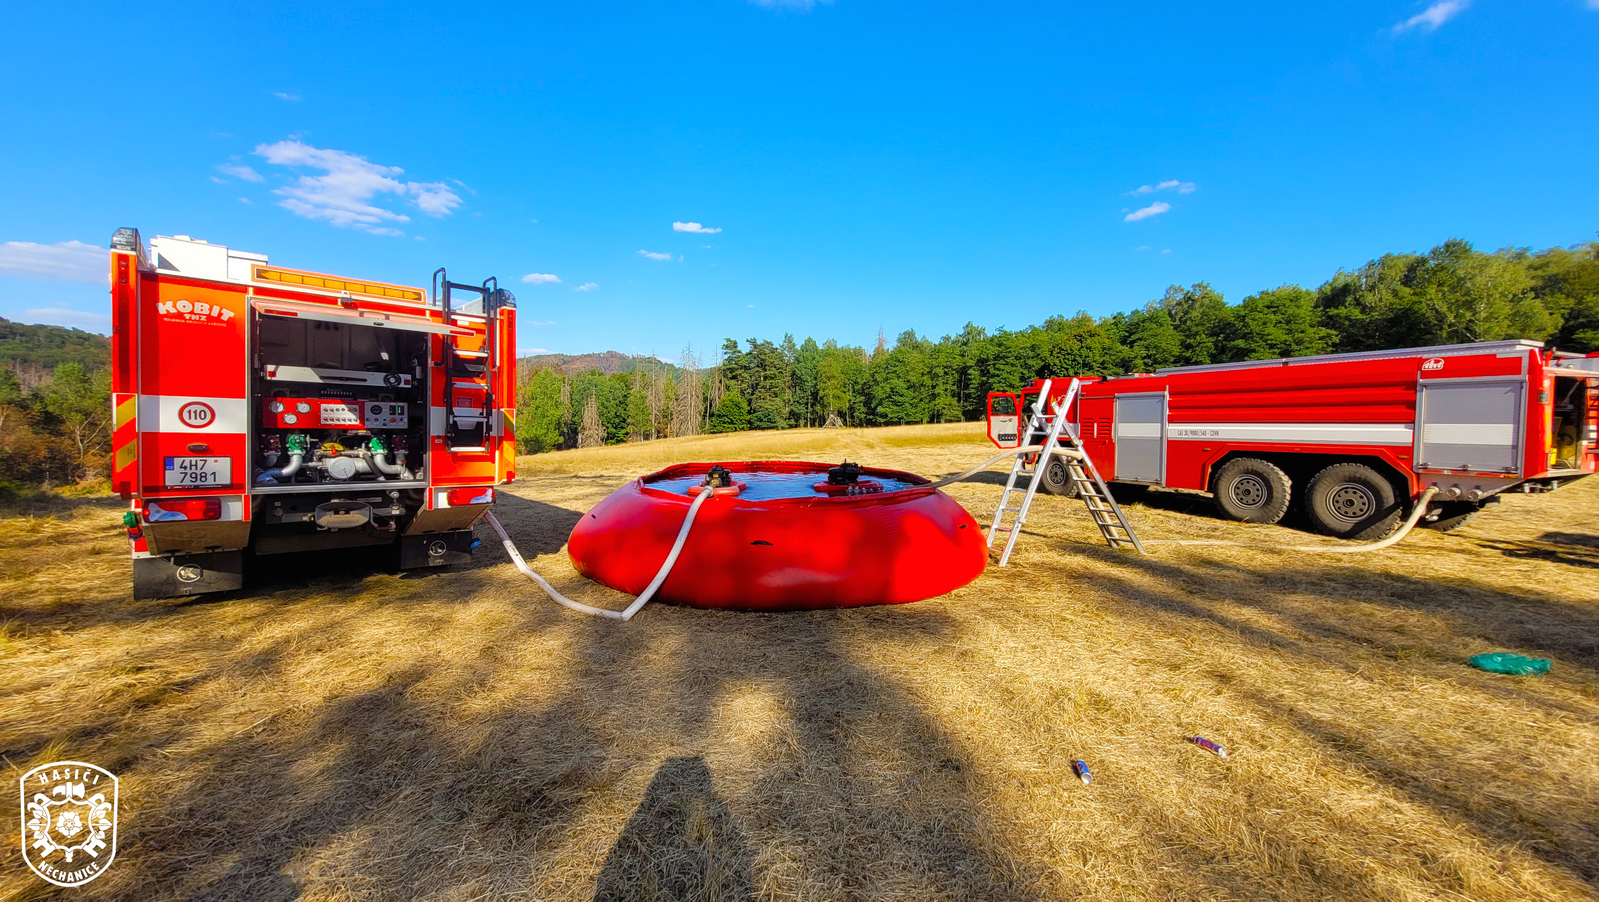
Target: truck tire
x,y
1452,515
1352,501
1251,490
1057,481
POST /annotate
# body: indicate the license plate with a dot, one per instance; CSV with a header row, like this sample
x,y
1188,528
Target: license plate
x,y
183,472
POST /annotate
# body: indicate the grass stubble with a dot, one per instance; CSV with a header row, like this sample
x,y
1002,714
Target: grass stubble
x,y
341,732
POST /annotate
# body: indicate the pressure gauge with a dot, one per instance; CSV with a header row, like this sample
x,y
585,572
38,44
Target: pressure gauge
x,y
275,407
290,419
303,407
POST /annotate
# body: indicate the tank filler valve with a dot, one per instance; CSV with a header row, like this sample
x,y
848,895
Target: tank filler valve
x,y
845,473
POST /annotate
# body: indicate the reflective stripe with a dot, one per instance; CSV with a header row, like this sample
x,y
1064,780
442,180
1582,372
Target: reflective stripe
x,y
1297,433
1468,433
162,413
1138,430
125,433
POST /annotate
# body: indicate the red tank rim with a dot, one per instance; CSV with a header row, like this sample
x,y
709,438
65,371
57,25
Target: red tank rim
x,y
920,485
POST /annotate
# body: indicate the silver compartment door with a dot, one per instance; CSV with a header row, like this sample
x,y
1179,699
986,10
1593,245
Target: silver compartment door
x,y
1141,438
1473,425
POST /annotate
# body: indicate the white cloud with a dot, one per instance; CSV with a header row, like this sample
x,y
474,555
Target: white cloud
x,y
1166,251
343,195
69,261
247,202
469,189
1154,209
533,322
240,171
219,181
435,198
1168,185
1435,15
1593,4
291,98
540,278
655,256
63,316
694,227
588,286
532,350
803,6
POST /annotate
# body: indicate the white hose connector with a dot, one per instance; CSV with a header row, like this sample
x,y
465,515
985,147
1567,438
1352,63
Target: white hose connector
x,y
1410,523
580,607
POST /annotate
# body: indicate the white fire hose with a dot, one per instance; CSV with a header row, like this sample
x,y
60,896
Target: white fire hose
x,y
1410,523
580,607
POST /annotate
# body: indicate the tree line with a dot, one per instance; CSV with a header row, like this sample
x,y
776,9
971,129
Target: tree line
x,y
1451,295
55,431
55,416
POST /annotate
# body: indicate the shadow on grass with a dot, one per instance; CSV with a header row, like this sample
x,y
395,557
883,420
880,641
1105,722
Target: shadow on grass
x,y
681,843
1573,548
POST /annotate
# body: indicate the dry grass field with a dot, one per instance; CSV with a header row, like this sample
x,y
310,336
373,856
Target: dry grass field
x,y
338,732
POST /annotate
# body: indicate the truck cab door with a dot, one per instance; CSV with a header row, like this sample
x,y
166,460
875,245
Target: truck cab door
x,y
1005,419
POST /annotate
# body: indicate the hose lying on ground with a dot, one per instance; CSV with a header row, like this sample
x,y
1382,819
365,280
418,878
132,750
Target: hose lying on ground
x,y
580,607
1014,452
1410,523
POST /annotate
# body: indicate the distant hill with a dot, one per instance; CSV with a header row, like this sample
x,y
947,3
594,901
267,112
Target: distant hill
x,y
610,362
35,351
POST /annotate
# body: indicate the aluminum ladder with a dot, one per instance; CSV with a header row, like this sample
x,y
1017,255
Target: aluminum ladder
x,y
1059,438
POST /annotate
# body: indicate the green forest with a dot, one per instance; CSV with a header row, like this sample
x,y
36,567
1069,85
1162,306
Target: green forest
x,y
55,417
1452,294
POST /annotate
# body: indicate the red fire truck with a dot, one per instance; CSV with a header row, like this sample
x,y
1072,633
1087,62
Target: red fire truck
x,y
271,410
1353,437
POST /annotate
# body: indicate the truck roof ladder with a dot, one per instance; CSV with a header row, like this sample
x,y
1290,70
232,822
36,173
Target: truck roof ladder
x,y
1058,436
468,375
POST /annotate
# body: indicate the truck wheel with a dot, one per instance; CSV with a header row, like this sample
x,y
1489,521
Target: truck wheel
x,y
1251,490
1452,515
1352,501
1057,481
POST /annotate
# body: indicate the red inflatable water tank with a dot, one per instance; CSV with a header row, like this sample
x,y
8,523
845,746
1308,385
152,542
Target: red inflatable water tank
x,y
781,543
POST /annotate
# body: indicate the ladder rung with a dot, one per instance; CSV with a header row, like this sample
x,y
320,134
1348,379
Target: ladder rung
x,y
1016,509
1004,529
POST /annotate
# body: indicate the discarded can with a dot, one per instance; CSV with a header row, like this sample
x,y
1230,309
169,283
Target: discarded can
x,y
1080,768
1209,746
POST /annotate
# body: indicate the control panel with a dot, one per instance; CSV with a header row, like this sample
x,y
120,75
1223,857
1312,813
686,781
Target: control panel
x,y
386,415
334,413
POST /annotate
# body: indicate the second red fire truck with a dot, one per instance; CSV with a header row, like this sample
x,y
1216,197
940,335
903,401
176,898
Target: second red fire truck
x,y
1354,438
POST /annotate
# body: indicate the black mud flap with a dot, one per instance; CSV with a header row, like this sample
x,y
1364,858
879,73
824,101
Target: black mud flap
x,y
436,549
190,574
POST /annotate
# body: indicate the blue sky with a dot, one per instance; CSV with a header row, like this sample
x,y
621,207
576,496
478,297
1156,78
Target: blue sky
x,y
697,170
